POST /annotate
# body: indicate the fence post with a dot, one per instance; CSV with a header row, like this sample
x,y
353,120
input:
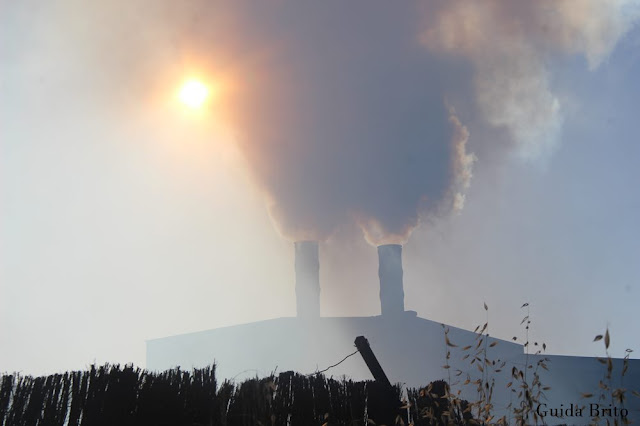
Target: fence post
x,y
370,359
384,405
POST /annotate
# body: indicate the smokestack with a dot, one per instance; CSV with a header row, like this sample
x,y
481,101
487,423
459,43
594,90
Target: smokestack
x,y
307,279
390,273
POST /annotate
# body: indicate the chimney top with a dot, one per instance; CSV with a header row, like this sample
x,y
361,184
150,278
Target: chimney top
x,y
307,267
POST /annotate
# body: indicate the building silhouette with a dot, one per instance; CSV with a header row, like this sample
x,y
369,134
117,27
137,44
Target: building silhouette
x,y
411,350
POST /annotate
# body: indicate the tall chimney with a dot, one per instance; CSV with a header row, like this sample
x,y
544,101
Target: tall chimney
x,y
390,273
307,279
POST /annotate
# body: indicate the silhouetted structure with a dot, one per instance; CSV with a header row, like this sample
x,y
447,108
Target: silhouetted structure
x,y
385,405
372,362
411,348
111,395
390,273
307,267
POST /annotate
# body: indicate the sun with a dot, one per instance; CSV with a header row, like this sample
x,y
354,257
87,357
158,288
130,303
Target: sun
x,y
193,94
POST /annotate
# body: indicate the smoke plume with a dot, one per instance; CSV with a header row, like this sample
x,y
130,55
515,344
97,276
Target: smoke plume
x,y
350,122
339,108
510,45
345,120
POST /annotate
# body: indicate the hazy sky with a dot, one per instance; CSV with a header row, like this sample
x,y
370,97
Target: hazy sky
x,y
507,133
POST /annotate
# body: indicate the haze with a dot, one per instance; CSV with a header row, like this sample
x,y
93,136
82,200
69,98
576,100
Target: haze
x,y
499,143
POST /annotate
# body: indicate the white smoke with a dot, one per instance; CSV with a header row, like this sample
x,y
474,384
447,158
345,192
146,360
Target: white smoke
x,y
510,45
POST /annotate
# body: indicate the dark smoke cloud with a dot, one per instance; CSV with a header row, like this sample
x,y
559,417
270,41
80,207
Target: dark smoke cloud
x,y
339,108
346,120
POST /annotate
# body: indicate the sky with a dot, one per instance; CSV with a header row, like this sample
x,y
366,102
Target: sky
x,y
498,143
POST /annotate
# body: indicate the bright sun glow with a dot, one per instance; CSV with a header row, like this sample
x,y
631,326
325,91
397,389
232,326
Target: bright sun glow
x,y
193,94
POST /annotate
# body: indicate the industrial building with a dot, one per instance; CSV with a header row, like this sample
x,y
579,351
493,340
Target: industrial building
x,y
411,350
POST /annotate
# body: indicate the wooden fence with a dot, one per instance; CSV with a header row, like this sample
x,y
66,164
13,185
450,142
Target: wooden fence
x,y
113,395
